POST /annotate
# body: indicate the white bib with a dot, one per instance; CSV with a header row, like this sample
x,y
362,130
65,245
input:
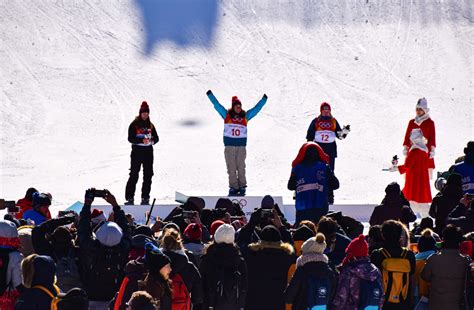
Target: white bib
x,y
235,131
324,136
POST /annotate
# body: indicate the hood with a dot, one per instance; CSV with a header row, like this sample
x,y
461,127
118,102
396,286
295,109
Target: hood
x,y
45,270
109,234
179,261
469,158
263,245
223,254
302,153
363,269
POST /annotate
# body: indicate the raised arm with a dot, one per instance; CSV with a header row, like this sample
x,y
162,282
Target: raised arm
x,y
219,108
254,111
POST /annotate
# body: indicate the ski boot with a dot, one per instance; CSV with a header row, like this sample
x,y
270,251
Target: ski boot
x,y
233,191
145,202
129,202
242,191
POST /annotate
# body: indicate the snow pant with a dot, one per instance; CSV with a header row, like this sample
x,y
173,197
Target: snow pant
x,y
312,215
141,155
235,162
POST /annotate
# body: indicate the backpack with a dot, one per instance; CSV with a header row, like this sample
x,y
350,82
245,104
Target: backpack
x,y
318,293
395,276
228,287
105,274
67,273
54,299
370,294
180,298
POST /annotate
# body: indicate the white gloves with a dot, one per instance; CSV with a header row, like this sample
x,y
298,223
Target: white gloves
x,y
432,153
405,150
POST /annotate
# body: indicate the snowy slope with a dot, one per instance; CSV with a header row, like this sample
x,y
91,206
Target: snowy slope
x,y
73,74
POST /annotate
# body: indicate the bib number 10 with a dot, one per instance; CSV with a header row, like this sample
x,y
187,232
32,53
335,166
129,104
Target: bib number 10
x,y
235,132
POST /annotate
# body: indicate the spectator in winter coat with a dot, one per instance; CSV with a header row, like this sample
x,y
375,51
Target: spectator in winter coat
x,y
224,272
425,223
356,270
314,282
104,256
448,272
157,282
192,241
375,238
51,238
446,200
465,223
336,242
351,227
74,299
426,248
466,169
268,261
392,208
142,135
40,210
300,235
38,275
10,268
235,139
172,246
392,234
313,180
141,300
25,203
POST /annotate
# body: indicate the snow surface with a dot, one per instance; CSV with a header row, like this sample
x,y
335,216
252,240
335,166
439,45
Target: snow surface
x,y
73,74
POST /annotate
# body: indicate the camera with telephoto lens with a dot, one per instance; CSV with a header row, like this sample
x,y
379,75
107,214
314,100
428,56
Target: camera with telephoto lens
x,y
11,207
100,193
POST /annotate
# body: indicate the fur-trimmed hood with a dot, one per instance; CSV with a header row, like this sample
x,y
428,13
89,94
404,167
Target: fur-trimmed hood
x,y
262,245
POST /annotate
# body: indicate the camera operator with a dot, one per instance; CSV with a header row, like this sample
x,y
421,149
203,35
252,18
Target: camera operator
x,y
463,215
40,211
268,214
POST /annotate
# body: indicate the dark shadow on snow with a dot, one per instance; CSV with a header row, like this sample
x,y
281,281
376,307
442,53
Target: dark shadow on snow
x,y
182,22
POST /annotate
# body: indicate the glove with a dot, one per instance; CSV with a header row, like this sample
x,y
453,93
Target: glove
x,y
405,151
265,96
393,168
209,92
89,196
432,153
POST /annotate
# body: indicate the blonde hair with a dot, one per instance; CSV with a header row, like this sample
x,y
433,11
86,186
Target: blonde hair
x,y
171,240
320,238
28,270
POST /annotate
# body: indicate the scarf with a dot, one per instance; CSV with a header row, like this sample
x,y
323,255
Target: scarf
x,y
311,257
421,119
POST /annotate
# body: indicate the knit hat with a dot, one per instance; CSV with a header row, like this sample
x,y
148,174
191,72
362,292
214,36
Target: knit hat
x,y
465,248
109,234
225,234
97,217
9,235
426,242
314,244
235,101
214,226
144,107
41,200
26,244
270,234
324,104
358,247
303,233
155,259
267,202
423,104
193,232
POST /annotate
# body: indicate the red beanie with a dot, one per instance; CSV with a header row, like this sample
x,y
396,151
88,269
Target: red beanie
x,y
214,226
466,248
144,107
193,232
324,104
357,248
236,101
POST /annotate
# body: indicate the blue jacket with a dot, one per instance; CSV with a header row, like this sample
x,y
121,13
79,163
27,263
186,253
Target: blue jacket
x,y
35,216
466,170
312,185
249,115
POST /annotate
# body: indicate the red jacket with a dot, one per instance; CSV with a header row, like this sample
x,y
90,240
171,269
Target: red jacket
x,y
24,205
417,179
428,129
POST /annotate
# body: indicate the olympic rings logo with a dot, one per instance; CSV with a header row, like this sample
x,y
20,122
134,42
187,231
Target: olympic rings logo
x,y
241,202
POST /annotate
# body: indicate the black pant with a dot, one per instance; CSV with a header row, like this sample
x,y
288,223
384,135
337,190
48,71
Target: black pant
x,y
141,155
